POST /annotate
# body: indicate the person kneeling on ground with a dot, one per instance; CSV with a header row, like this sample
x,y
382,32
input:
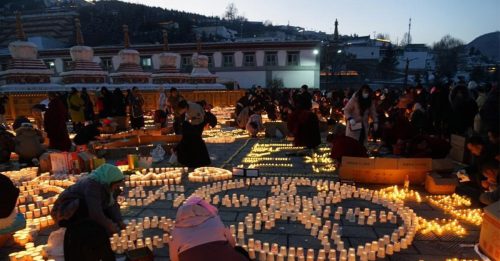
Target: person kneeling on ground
x,y
492,194
93,197
10,220
29,143
344,146
199,234
254,124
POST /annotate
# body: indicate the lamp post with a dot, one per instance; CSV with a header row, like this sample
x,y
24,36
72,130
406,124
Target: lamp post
x,y
406,70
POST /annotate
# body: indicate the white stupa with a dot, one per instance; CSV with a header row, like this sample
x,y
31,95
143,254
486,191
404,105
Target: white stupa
x,y
83,67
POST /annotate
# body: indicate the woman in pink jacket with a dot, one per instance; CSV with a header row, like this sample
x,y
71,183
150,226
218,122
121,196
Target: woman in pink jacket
x,y
358,112
199,234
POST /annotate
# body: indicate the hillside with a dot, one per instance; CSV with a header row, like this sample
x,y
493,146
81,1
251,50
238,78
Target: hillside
x,y
102,21
488,45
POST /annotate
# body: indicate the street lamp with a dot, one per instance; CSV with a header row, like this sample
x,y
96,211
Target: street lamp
x,y
339,51
315,51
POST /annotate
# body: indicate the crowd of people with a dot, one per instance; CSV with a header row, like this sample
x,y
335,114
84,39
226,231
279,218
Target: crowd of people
x,y
415,122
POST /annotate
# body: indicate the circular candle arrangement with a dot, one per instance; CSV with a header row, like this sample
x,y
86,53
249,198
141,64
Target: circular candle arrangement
x,y
316,214
208,174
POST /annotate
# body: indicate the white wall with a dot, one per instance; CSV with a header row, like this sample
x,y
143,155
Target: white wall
x,y
259,57
245,78
116,62
238,59
364,52
217,59
281,58
59,65
294,79
307,58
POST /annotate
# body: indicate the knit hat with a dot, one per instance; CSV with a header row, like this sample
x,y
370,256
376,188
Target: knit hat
x,y
8,196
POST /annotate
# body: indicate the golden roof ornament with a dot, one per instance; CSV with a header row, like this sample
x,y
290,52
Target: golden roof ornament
x,y
198,44
165,40
21,36
79,35
126,36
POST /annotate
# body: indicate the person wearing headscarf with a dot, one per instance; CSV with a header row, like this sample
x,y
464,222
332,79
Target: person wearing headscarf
x,y
10,220
199,234
93,197
55,124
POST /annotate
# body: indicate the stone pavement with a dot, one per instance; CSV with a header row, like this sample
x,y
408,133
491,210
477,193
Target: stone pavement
x,y
293,234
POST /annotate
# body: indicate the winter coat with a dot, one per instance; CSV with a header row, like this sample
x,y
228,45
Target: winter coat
x,y
304,126
196,226
29,143
76,107
96,193
352,110
55,125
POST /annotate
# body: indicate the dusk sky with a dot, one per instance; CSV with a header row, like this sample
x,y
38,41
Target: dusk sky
x,y
431,19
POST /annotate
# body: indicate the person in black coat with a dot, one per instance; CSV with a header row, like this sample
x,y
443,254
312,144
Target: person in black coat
x,y
119,103
88,110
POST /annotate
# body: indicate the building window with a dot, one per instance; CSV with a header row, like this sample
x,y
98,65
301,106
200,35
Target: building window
x,y
293,58
228,60
50,64
146,63
67,65
271,59
249,59
186,60
107,64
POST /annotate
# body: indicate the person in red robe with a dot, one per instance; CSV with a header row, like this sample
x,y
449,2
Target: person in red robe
x,y
304,126
55,124
343,145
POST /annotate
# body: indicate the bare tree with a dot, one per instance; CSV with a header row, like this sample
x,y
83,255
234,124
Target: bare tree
x,y
231,12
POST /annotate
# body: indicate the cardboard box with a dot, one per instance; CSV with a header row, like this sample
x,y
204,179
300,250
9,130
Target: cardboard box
x,y
443,165
458,150
436,184
244,172
489,238
86,161
358,163
385,170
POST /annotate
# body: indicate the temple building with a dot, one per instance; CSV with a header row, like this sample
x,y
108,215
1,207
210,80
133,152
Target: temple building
x,y
24,66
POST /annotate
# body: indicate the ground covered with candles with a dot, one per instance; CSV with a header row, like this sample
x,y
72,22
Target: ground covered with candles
x,y
297,209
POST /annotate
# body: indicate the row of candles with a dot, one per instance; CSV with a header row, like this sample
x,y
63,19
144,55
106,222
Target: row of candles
x,y
209,174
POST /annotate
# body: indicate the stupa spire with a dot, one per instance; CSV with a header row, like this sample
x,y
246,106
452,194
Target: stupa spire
x,y
165,40
21,36
336,32
79,35
126,38
198,44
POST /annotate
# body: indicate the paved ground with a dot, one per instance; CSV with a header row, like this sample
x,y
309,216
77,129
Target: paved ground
x,y
286,233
